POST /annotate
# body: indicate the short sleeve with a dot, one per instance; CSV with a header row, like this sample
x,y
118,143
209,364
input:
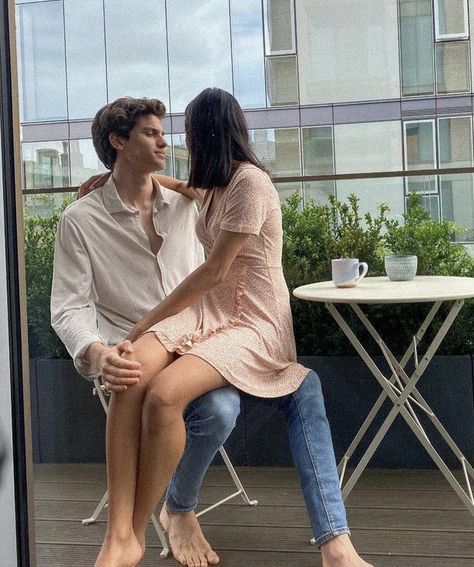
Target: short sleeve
x,y
247,203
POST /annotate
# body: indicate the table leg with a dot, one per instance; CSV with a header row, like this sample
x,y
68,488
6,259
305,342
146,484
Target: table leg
x,y
401,398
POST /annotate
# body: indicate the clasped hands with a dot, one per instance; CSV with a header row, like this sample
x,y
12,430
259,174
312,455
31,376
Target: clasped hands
x,y
117,372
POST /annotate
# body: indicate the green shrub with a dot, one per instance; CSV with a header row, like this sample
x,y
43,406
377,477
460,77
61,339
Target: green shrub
x,y
40,234
312,237
315,235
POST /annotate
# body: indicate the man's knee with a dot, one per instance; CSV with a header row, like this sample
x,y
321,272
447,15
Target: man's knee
x,y
215,413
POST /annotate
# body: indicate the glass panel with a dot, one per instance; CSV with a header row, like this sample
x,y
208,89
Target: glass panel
x,y
199,49
451,16
84,161
452,67
247,53
347,51
278,149
41,58
455,142
420,154
45,205
282,80
180,154
136,49
285,190
318,191
372,146
279,27
457,200
416,39
318,158
431,204
373,192
85,51
45,164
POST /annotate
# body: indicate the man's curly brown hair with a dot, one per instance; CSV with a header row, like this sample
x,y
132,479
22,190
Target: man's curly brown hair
x,y
119,117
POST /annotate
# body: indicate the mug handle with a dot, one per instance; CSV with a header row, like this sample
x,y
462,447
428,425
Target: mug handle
x,y
365,269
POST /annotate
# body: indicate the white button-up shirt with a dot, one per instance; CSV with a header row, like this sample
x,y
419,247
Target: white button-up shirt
x,y
105,275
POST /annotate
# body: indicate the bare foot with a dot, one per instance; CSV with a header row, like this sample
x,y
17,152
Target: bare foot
x,y
187,542
119,553
339,552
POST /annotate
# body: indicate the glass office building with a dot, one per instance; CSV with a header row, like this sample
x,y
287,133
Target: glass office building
x,y
329,87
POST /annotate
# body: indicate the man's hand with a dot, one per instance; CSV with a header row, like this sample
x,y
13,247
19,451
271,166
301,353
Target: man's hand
x,y
117,373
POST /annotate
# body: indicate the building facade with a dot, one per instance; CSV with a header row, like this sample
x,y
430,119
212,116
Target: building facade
x,y
329,87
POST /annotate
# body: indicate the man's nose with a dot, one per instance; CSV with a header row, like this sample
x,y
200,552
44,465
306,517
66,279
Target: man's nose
x,y
162,143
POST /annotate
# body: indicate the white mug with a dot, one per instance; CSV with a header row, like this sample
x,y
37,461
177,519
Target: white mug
x,y
347,272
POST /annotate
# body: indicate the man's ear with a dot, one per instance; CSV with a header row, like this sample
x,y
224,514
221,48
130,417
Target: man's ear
x,y
117,142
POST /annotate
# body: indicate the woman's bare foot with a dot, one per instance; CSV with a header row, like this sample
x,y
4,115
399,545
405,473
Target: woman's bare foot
x,y
119,552
339,552
187,541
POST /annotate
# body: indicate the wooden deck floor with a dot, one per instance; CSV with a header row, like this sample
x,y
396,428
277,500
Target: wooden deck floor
x,y
398,519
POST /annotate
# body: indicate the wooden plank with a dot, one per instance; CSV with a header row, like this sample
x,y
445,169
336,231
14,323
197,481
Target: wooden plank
x,y
258,476
84,556
287,496
262,538
290,516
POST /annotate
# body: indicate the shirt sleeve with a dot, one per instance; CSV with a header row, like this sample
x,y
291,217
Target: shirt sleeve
x,y
73,313
247,203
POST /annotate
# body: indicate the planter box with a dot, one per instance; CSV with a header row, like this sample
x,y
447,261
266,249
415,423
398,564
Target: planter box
x,y
69,423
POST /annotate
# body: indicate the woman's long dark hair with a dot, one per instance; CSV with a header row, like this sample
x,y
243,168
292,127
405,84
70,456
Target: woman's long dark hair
x,y
217,138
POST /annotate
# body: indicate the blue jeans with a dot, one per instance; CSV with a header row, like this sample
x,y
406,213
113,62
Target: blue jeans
x,y
211,418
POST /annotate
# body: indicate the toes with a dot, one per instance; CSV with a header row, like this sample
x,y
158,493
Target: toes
x,y
181,559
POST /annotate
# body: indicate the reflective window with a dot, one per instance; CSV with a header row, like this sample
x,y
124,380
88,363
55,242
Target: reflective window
x,y
45,205
45,164
457,202
452,67
282,80
199,49
420,153
180,156
374,146
85,52
84,161
279,150
348,53
416,46
451,19
455,142
279,18
318,159
136,49
41,57
247,53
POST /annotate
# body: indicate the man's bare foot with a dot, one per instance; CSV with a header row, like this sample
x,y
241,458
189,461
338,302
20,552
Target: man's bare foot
x,y
119,552
339,552
187,541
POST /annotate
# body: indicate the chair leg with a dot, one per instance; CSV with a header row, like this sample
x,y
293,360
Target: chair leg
x,y
100,506
238,484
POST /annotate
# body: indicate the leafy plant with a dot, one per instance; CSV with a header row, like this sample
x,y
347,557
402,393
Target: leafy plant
x,y
318,233
39,236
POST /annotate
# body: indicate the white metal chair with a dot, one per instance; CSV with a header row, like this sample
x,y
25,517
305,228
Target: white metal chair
x,y
99,391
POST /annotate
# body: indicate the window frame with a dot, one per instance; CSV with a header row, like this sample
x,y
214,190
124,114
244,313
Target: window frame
x,y
439,37
435,154
268,52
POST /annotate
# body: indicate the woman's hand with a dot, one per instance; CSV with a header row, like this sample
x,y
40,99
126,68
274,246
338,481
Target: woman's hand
x,y
179,186
92,183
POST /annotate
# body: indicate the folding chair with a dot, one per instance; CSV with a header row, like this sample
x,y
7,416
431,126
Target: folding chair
x,y
99,391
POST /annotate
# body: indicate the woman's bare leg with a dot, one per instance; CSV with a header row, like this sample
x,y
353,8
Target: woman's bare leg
x,y
163,432
120,547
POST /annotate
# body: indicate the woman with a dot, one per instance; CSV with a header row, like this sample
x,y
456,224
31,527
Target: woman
x,y
227,322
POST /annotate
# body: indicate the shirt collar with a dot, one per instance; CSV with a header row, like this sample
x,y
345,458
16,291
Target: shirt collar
x,y
114,204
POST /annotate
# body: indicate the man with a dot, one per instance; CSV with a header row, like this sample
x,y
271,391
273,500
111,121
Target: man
x,y
120,249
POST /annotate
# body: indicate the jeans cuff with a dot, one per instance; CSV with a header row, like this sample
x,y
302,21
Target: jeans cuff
x,y
331,535
172,506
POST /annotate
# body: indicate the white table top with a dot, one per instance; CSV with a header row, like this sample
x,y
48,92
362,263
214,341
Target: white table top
x,y
382,290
